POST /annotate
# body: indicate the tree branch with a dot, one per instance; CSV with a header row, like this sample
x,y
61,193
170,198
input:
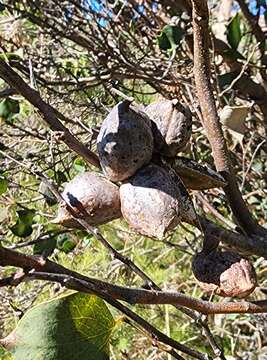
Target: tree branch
x,y
244,244
211,121
37,268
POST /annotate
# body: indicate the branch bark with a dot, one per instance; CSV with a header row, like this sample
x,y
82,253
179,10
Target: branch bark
x,y
38,268
211,121
247,245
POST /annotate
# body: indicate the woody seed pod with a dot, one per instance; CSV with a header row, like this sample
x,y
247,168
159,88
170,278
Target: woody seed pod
x,y
224,273
125,142
172,126
151,201
196,176
98,198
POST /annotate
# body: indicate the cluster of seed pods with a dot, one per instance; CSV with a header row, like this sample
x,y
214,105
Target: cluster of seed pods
x,y
137,183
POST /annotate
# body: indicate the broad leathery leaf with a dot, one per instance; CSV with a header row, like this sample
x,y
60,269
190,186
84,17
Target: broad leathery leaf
x,y
234,34
23,226
45,247
170,37
232,54
8,108
21,230
26,215
226,79
233,117
163,42
3,185
72,327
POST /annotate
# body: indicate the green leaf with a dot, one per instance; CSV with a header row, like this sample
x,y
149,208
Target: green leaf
x,y
163,42
226,79
175,34
233,31
23,226
65,243
26,216
79,165
232,54
4,355
170,37
72,327
3,185
22,230
60,177
8,108
45,247
2,351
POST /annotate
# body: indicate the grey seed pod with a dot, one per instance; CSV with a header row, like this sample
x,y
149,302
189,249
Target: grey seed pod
x,y
196,176
151,201
125,142
98,197
172,126
224,273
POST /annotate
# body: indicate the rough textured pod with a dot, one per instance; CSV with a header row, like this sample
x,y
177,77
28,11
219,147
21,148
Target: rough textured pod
x,y
196,176
224,273
172,126
151,201
98,197
125,142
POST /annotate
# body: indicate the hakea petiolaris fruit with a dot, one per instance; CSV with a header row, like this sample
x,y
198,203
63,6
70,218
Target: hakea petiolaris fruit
x,y
125,141
224,273
196,176
94,198
153,202
172,126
